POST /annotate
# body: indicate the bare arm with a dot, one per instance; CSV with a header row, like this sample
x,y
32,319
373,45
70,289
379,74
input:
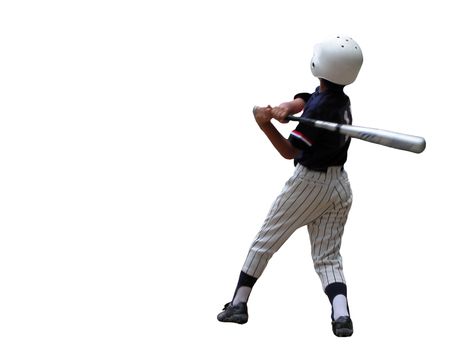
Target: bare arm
x,y
263,116
284,109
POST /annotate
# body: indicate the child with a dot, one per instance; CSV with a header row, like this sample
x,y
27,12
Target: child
x,y
318,195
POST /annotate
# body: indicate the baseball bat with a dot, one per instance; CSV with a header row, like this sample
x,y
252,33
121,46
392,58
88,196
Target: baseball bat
x,y
415,144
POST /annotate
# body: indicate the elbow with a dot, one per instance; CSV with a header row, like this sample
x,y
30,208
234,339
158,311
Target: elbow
x,y
287,156
289,153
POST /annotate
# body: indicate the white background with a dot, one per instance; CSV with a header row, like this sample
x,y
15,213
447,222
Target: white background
x,y
133,177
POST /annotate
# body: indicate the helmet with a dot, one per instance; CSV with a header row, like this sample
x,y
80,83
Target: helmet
x,y
337,60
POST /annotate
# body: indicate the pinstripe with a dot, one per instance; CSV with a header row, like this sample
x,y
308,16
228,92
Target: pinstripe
x,y
267,227
344,191
342,220
313,241
276,205
326,241
319,203
291,225
297,199
341,271
335,240
305,217
325,266
289,229
331,256
317,231
273,234
322,202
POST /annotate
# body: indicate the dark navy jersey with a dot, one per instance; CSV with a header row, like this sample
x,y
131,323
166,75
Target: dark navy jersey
x,y
320,149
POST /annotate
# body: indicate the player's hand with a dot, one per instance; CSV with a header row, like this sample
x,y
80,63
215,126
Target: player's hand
x,y
262,115
280,113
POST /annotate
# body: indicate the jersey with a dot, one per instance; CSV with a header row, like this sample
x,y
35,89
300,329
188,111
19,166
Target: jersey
x,y
320,149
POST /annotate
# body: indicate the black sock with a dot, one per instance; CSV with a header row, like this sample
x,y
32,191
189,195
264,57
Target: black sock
x,y
245,280
332,291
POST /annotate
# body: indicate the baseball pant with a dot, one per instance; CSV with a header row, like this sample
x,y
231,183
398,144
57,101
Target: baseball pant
x,y
320,200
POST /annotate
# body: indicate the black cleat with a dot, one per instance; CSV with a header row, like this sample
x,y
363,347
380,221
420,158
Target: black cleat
x,y
234,313
343,327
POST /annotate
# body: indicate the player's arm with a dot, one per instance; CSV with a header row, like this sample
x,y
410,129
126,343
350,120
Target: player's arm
x,y
287,108
263,116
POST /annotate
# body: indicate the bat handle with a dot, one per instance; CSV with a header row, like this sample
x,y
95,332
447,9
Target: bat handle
x,y
312,122
293,118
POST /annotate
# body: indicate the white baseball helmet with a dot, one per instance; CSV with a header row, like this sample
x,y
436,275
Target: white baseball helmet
x,y
337,60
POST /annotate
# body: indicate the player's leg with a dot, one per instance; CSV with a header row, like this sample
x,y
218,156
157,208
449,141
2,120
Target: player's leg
x,y
297,205
237,310
300,202
326,236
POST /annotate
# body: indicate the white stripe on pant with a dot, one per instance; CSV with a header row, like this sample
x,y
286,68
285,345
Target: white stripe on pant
x,y
320,200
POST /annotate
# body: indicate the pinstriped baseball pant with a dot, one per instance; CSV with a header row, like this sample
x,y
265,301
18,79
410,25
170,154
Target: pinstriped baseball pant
x,y
321,201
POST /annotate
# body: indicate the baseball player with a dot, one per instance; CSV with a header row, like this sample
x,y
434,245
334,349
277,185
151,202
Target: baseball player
x,y
318,195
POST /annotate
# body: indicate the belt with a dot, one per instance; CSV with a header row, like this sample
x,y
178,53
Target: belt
x,y
323,170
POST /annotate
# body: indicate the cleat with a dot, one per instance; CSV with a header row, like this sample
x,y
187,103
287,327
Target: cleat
x,y
342,327
234,313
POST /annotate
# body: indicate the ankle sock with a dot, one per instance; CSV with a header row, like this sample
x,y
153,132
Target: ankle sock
x,y
337,294
244,287
340,307
242,295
